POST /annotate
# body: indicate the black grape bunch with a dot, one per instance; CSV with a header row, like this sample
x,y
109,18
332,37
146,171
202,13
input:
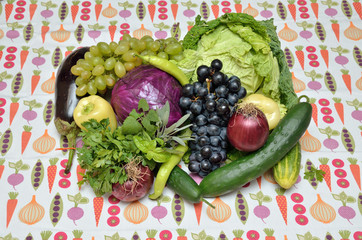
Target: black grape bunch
x,y
210,102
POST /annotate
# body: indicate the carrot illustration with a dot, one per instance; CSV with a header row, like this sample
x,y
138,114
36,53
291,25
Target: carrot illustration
x,y
151,233
10,206
44,29
1,51
2,161
174,8
74,9
69,50
23,55
32,8
151,8
325,168
258,179
325,54
335,28
347,79
238,6
315,7
8,9
25,137
35,80
339,108
282,203
356,171
80,173
269,233
314,110
98,8
181,234
358,7
238,233
190,24
300,55
292,9
14,107
285,237
52,172
198,208
77,234
215,8
97,207
112,29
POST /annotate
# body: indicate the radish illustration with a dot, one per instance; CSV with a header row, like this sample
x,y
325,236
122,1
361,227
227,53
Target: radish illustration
x,y
125,13
330,11
160,34
47,13
30,114
13,33
266,13
95,33
189,12
305,33
76,213
4,76
159,211
313,84
17,178
341,60
330,143
261,211
356,114
345,211
39,60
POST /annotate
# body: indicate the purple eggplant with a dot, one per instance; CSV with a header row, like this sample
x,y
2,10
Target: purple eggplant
x,y
66,100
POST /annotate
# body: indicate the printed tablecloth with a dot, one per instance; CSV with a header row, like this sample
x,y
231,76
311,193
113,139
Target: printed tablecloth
x,y
322,44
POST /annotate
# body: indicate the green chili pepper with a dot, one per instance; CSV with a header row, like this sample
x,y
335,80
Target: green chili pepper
x,y
165,170
167,66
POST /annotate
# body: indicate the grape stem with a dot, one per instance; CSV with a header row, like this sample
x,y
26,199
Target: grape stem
x,y
208,82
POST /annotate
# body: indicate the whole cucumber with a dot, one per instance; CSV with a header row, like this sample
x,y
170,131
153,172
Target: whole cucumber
x,y
286,171
283,138
182,184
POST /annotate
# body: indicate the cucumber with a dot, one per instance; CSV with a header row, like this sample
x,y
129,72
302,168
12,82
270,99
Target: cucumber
x,y
286,171
283,138
182,184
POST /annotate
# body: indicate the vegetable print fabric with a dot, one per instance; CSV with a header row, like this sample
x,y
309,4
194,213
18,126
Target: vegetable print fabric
x,y
322,44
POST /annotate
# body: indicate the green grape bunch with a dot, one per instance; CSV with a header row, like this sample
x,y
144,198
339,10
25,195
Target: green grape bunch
x,y
105,63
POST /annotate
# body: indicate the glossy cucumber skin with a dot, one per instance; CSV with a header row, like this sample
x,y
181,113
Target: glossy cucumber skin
x,y
182,184
286,171
239,172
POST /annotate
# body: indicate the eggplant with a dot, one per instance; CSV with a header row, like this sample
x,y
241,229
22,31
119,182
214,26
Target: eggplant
x,y
66,100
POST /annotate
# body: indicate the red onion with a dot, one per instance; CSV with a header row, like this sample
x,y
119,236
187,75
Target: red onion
x,y
140,180
248,128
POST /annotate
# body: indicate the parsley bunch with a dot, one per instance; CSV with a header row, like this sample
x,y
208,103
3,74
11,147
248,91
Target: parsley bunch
x,y
142,136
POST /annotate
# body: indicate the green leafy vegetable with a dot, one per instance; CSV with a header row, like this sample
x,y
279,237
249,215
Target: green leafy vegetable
x,y
142,137
257,60
314,173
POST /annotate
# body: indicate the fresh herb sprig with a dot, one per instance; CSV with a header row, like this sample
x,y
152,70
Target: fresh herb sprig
x,y
314,173
144,136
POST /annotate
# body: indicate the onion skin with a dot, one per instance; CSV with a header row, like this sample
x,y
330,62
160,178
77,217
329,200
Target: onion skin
x,y
248,133
131,191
